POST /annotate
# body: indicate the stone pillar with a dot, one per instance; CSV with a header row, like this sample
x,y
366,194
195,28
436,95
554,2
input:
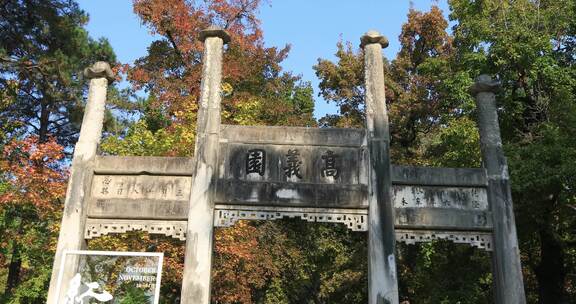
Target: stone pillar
x,y
74,216
198,259
507,271
382,281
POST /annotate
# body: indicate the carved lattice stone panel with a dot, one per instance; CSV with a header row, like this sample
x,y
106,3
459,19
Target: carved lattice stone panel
x,y
481,240
355,220
99,227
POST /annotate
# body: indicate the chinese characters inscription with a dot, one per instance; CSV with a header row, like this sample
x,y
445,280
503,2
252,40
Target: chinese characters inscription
x,y
256,161
174,188
329,169
293,163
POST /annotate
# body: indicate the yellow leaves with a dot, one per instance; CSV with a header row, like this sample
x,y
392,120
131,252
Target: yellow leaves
x,y
247,112
177,140
226,88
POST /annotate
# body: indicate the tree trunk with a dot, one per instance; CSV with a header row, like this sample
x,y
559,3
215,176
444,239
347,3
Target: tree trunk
x,y
551,271
14,269
44,123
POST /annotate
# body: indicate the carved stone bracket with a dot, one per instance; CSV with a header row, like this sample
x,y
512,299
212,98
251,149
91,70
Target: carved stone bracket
x,y
481,240
354,219
99,227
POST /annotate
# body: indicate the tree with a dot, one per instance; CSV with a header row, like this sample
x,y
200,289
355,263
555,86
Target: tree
x,y
34,181
529,45
44,49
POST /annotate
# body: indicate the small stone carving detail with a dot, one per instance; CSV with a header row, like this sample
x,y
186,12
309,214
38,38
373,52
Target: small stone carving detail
x,y
99,227
481,240
354,222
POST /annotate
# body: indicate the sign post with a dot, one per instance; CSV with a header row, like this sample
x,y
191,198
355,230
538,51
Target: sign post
x,y
105,276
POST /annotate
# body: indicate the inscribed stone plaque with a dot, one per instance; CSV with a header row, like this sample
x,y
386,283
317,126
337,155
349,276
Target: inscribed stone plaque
x,y
139,197
441,208
176,188
292,167
464,198
111,277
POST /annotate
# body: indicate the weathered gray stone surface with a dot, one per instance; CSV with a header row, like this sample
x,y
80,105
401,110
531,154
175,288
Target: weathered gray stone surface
x,y
461,177
99,69
173,166
382,279
342,184
293,136
74,217
138,209
311,163
284,194
417,196
198,256
507,271
443,219
141,187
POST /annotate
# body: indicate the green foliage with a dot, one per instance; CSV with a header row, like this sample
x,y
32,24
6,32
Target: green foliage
x,y
133,295
529,46
44,49
140,141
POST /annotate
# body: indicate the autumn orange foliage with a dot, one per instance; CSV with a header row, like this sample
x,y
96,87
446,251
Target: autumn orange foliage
x,y
34,173
172,69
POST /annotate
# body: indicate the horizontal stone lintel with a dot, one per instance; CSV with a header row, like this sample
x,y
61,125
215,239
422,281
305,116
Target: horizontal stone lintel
x,y
443,219
406,218
423,176
283,194
301,136
152,165
138,209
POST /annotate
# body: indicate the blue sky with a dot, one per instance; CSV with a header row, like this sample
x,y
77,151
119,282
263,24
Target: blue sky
x,y
311,27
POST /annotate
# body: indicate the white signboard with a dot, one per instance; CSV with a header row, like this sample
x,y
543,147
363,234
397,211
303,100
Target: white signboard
x,y
111,277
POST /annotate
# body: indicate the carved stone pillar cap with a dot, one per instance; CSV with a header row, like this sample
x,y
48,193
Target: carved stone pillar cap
x,y
214,31
373,36
484,83
99,69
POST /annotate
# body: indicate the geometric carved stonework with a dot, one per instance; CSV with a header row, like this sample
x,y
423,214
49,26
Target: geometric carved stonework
x,y
354,219
481,240
99,227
